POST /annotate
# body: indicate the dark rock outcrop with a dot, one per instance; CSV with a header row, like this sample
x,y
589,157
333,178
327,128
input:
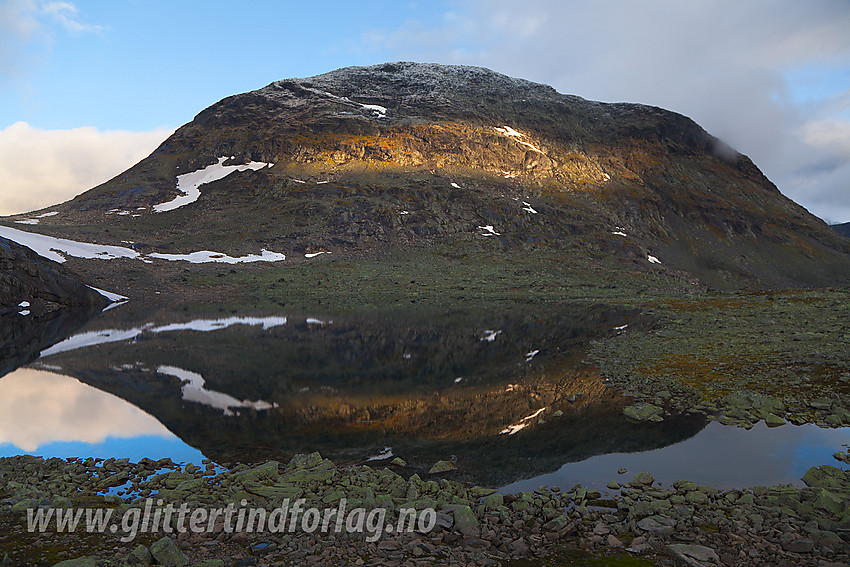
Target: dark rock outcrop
x,y
31,283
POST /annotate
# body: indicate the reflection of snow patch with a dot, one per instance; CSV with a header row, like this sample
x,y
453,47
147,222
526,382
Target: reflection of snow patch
x,y
194,390
25,312
113,305
523,423
387,453
530,355
458,380
93,338
653,259
44,215
490,336
455,185
189,183
528,208
621,327
375,108
27,221
24,304
206,325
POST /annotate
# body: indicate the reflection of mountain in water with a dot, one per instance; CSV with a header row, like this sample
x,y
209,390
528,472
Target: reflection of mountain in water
x,y
429,388
22,338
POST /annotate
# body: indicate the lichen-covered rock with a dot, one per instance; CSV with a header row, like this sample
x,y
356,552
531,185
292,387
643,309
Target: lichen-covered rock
x,y
442,467
167,554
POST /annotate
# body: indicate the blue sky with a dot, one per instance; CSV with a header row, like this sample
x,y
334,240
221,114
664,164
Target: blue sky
x,y
89,87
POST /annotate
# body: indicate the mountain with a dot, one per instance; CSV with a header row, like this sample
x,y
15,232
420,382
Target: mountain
x,y
443,168
842,229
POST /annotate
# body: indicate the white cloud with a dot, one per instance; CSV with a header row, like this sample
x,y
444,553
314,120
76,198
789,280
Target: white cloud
x,y
65,14
39,168
724,63
27,22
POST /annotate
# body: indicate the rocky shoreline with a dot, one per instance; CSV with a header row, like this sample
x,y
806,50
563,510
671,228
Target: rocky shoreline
x,y
642,524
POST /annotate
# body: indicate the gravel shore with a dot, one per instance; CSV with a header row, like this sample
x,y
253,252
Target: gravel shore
x,y
683,524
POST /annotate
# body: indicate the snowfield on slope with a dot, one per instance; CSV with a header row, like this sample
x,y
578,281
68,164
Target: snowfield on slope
x,y
189,183
52,248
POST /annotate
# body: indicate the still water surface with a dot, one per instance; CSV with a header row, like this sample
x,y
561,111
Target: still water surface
x,y
483,388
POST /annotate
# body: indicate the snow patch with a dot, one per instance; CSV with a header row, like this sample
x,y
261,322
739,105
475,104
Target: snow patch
x,y
528,208
530,355
113,297
380,111
24,304
489,230
205,256
619,233
27,221
25,312
50,247
314,254
45,215
490,336
458,380
455,185
653,260
510,132
189,183
621,328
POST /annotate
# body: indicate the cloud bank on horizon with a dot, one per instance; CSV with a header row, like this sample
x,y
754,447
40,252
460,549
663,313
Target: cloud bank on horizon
x,y
769,77
39,168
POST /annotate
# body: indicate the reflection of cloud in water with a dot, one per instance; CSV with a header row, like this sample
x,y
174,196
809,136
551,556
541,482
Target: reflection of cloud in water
x,y
194,391
38,407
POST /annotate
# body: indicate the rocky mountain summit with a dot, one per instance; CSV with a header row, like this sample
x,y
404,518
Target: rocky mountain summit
x,y
459,164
